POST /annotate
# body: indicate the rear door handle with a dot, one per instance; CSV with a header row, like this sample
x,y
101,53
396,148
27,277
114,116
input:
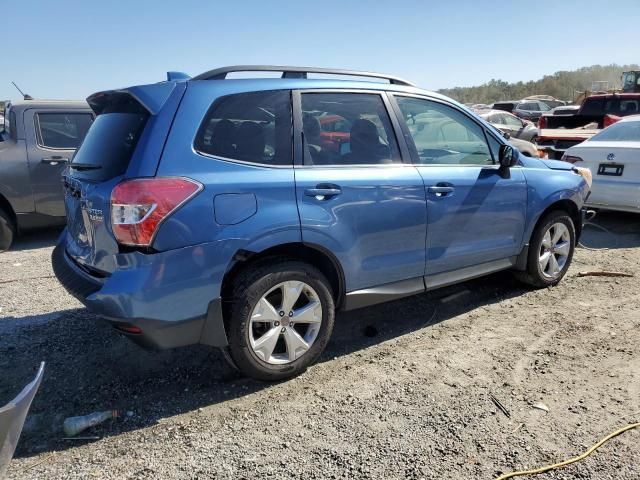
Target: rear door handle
x,y
55,160
323,192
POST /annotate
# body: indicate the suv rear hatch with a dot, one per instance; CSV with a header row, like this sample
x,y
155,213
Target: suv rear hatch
x,y
125,141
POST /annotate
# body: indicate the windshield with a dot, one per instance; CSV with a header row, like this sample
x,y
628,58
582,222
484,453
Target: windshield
x,y
619,132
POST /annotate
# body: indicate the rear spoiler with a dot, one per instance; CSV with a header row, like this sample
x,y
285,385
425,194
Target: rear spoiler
x,y
150,97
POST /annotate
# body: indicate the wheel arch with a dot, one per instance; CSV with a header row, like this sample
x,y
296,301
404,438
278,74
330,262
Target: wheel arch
x,y
313,254
568,206
5,205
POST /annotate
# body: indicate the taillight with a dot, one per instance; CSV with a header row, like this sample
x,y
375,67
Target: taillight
x,y
570,158
139,206
610,120
542,123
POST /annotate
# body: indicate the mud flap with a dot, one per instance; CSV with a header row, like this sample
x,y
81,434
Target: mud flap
x,y
12,417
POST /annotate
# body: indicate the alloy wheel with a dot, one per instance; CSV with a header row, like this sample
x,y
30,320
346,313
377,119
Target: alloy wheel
x,y
554,250
285,322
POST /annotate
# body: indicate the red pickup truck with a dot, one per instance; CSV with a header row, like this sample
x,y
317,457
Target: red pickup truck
x,y
560,132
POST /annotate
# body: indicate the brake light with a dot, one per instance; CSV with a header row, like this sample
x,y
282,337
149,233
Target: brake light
x,y
570,158
610,120
542,123
139,206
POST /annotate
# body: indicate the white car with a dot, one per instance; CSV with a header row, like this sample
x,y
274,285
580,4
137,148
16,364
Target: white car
x,y
613,156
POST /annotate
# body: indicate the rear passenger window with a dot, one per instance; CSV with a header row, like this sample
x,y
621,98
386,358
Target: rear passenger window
x,y
252,127
62,130
347,129
443,135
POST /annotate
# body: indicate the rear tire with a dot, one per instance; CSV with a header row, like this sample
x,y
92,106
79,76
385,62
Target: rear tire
x,y
550,250
280,320
7,231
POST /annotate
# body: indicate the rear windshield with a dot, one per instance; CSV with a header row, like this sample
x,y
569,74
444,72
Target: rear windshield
x,y
619,132
107,149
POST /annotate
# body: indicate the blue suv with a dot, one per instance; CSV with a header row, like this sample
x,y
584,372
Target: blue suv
x,y
242,213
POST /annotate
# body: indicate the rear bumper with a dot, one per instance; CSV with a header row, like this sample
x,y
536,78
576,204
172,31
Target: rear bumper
x,y
171,304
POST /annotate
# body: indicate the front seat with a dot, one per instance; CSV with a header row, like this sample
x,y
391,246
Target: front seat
x,y
365,144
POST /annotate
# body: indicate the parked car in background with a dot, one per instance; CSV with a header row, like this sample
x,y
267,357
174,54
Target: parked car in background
x,y
505,106
548,100
191,219
564,110
560,132
39,139
528,149
613,156
530,110
514,126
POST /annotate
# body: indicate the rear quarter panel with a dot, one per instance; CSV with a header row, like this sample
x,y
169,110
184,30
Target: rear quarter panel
x,y
275,220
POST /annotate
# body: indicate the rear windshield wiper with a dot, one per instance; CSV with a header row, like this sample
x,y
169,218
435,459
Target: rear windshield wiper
x,y
84,166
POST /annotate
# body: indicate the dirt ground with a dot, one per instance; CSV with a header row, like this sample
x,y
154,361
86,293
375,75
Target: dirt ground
x,y
403,391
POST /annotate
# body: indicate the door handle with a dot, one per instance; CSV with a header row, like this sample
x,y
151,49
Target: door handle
x,y
440,190
55,160
323,192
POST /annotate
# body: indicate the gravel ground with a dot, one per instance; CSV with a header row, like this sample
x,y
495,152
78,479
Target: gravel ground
x,y
403,390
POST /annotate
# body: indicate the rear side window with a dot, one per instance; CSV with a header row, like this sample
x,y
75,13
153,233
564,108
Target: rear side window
x,y
107,149
628,107
251,127
62,130
347,129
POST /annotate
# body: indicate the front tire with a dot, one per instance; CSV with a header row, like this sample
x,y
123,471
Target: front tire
x,y
281,319
7,231
550,250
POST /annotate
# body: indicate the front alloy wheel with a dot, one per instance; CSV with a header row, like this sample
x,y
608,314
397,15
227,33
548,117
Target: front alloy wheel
x,y
554,250
550,250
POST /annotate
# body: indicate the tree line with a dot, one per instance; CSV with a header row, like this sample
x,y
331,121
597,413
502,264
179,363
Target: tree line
x,y
563,85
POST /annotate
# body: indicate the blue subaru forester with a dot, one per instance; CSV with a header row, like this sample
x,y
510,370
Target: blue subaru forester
x,y
242,213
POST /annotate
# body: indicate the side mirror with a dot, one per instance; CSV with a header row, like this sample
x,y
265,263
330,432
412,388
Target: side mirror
x,y
507,156
506,135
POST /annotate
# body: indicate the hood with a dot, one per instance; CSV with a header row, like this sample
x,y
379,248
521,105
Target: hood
x,y
557,164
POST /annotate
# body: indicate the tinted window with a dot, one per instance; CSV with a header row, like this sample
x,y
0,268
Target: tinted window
x,y
109,145
543,107
527,106
628,107
347,129
443,135
619,132
251,127
593,106
62,130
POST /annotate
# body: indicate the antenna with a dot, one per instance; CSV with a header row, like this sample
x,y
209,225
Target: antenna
x,y
24,95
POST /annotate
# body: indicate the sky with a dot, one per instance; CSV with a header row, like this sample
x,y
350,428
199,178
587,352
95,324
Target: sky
x,y
68,49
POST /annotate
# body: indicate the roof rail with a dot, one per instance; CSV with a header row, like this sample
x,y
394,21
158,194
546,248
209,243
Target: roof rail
x,y
295,72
